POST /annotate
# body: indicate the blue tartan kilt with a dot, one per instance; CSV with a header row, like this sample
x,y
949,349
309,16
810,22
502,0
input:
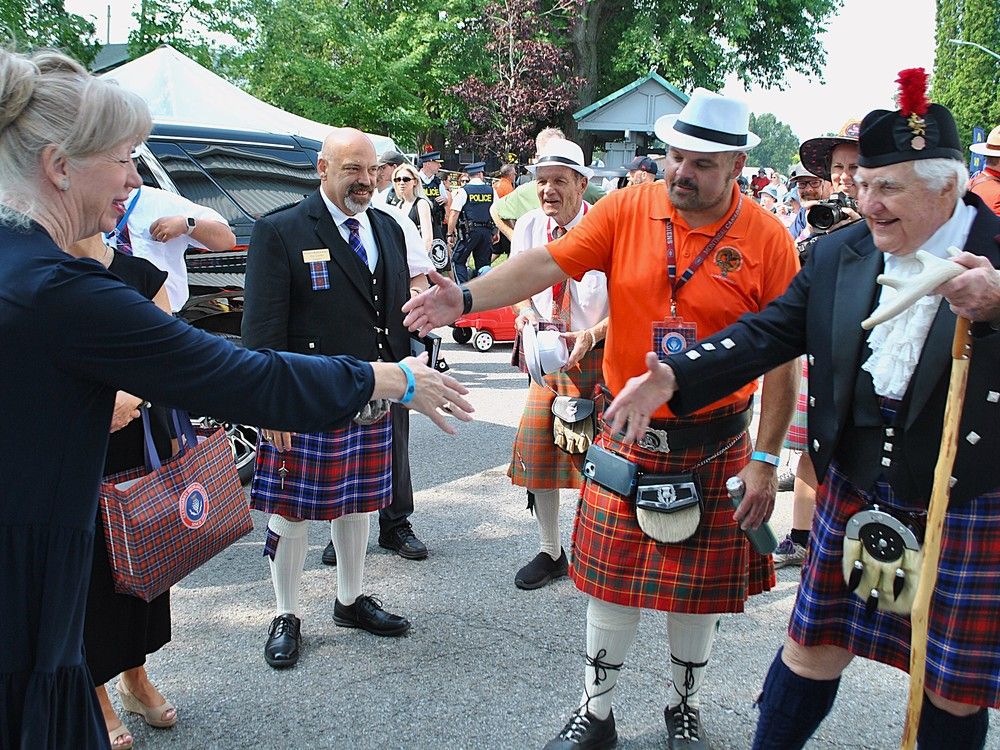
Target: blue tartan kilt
x,y
329,474
963,647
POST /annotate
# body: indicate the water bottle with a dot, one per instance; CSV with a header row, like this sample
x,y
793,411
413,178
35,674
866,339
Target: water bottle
x,y
762,538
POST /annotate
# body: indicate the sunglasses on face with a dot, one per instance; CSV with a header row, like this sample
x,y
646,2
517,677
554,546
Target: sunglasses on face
x,y
402,179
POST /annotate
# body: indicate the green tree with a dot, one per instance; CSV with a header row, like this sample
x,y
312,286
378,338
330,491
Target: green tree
x,y
45,23
779,146
966,79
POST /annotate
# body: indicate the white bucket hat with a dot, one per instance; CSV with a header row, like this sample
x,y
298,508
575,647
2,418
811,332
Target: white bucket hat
x,y
545,352
709,123
559,152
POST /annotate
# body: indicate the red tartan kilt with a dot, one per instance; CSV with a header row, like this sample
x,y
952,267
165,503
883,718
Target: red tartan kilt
x,y
329,474
797,438
713,571
537,462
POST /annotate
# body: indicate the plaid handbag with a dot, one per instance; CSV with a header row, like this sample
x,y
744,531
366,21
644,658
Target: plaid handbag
x,y
163,520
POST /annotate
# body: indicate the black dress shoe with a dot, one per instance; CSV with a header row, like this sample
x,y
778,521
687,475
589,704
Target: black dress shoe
x,y
585,732
367,613
541,570
283,637
330,554
403,542
684,730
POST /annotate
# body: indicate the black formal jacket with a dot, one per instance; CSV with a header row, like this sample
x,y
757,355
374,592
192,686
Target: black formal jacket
x,y
820,315
285,313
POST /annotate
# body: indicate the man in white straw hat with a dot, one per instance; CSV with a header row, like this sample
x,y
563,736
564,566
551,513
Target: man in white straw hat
x,y
684,257
986,184
544,462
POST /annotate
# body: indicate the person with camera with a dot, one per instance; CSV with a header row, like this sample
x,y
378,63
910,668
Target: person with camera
x,y
834,159
810,188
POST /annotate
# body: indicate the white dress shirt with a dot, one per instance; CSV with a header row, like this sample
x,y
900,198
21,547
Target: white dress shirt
x,y
588,297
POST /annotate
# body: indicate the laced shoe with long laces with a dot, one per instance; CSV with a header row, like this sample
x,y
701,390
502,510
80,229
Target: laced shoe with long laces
x,y
684,730
584,731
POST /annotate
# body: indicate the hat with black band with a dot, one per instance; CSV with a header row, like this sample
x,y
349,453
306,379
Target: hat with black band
x,y
709,123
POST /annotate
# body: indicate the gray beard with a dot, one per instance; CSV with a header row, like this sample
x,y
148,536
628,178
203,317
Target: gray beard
x,y
354,205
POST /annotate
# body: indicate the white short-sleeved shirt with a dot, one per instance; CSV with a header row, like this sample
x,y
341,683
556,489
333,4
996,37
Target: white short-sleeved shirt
x,y
588,297
416,257
168,256
459,197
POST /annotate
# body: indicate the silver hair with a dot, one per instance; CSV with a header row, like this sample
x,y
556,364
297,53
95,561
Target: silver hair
x,y
47,98
546,135
937,174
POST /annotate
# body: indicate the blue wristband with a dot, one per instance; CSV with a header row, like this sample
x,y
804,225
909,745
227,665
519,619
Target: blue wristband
x,y
767,458
411,384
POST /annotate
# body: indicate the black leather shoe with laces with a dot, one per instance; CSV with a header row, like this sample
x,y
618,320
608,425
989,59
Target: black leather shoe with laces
x,y
586,732
402,541
684,730
329,554
367,613
283,638
541,570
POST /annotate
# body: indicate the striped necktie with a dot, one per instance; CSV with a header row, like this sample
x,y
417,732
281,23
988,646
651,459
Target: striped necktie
x,y
123,241
353,225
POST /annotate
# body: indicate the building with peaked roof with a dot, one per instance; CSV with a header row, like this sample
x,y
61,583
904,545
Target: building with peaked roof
x,y
623,120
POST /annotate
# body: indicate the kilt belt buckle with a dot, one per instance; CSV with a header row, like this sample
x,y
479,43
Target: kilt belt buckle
x,y
882,559
655,440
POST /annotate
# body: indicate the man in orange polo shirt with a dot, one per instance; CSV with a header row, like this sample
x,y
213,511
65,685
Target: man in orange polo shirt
x,y
684,258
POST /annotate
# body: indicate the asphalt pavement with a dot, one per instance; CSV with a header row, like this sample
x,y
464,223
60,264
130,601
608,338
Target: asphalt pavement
x,y
485,665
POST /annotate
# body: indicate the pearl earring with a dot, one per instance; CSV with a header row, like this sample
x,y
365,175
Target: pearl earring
x,y
64,185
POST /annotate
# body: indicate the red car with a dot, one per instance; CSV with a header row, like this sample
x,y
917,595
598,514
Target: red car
x,y
485,328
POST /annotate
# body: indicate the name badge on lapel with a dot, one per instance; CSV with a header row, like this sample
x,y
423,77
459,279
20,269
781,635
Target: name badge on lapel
x,y
319,273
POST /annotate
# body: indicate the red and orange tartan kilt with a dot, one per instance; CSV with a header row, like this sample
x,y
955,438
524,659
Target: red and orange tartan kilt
x,y
327,474
537,462
716,570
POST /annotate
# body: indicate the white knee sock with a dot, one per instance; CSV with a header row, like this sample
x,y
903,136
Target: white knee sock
x,y
611,631
350,539
286,567
691,638
547,513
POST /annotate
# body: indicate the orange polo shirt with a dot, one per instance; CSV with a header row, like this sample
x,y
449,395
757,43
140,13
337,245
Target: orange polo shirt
x,y
503,186
624,235
986,185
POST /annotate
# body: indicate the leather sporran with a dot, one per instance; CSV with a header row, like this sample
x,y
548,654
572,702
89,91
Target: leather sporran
x,y
574,422
669,506
372,412
882,558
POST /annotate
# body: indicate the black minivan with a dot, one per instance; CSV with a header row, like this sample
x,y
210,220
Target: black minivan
x,y
242,174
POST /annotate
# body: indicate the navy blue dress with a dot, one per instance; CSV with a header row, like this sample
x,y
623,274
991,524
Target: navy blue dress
x,y
72,334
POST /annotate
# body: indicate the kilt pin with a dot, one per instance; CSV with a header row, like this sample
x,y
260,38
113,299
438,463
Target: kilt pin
x,y
537,462
714,571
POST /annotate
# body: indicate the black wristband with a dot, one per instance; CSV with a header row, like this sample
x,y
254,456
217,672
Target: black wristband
x,y
466,300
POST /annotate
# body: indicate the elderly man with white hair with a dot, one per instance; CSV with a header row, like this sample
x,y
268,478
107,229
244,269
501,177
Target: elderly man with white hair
x,y
876,409
580,310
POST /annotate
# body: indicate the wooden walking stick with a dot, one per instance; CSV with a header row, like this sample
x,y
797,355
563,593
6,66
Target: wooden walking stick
x,y
961,352
935,272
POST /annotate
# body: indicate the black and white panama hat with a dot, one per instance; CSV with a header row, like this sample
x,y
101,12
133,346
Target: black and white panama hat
x,y
559,152
709,123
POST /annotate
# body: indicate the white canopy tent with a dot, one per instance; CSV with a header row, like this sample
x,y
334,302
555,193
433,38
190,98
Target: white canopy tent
x,y
180,90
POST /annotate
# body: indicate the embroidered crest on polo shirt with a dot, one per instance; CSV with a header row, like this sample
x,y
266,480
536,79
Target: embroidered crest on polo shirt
x,y
728,259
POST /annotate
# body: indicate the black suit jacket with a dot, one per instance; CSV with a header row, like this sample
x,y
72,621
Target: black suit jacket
x,y
820,315
284,312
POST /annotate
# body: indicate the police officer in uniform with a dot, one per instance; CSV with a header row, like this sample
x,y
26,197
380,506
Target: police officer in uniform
x,y
472,204
435,190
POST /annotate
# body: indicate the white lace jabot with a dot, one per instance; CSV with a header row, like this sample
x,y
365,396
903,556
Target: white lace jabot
x,y
896,344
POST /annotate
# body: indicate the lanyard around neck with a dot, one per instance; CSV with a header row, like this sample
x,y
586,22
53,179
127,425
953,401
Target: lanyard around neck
x,y
675,283
124,219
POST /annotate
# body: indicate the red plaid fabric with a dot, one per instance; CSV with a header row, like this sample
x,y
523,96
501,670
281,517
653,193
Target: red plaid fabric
x,y
963,645
172,520
327,474
797,438
537,462
713,571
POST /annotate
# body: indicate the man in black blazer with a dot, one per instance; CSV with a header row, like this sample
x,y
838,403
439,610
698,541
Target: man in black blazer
x,y
327,276
876,406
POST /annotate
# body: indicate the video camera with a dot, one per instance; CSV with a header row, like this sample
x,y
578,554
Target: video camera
x,y
826,213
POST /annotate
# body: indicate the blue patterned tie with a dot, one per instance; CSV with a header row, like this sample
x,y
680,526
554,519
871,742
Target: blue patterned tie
x,y
355,240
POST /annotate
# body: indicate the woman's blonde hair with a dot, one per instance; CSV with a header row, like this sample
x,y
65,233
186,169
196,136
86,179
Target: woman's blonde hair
x,y
409,169
47,98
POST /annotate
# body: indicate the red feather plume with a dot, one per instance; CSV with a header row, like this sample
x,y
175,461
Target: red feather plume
x,y
913,92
